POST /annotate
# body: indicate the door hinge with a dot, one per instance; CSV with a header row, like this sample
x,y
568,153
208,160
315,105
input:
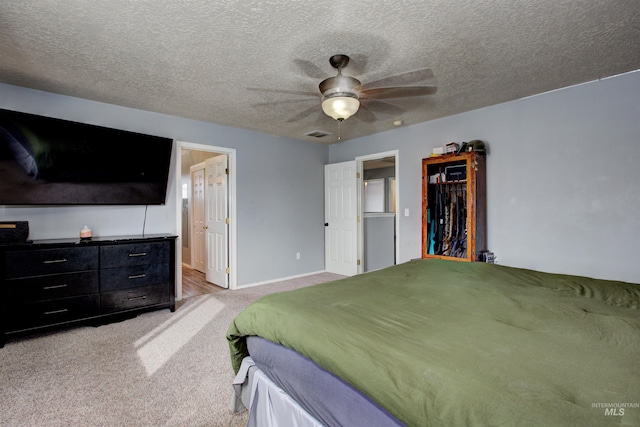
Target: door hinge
x,y
226,220
358,262
358,175
358,219
226,171
228,270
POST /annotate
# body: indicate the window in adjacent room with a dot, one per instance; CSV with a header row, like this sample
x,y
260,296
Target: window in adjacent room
x,y
374,192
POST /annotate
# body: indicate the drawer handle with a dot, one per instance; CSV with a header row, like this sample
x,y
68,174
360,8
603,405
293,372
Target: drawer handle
x,y
137,276
64,310
137,298
139,254
55,287
54,261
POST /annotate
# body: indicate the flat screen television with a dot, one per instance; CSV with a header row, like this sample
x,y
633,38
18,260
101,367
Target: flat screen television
x,y
47,161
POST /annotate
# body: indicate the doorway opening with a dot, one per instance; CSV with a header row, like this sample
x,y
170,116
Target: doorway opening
x,y
378,207
192,280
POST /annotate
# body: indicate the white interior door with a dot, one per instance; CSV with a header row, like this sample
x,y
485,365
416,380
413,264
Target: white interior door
x,y
340,217
198,214
217,221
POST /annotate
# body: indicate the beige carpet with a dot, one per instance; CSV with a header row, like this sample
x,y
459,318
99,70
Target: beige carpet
x,y
158,369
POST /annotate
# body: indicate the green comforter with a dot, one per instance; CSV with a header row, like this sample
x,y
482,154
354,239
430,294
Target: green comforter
x,y
441,343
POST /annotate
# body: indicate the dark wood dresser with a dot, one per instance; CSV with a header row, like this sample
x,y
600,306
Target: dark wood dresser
x,y
55,283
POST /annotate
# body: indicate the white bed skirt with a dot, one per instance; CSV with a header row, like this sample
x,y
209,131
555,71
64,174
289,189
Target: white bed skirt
x,y
272,407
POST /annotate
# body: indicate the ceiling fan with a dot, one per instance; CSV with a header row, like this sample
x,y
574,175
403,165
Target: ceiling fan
x,y
343,96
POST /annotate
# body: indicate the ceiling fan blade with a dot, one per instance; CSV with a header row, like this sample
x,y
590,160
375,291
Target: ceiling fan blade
x,y
378,106
304,113
284,102
289,92
402,79
365,114
398,92
310,69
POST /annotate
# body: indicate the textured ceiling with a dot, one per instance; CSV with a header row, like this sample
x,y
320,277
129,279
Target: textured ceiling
x,y
222,61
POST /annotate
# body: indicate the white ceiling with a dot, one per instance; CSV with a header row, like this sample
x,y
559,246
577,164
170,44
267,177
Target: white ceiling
x,y
204,59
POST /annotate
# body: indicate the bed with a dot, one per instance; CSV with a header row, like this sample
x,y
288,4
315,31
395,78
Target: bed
x,y
443,343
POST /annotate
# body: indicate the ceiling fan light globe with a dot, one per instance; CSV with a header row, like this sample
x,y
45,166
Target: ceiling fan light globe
x,y
340,107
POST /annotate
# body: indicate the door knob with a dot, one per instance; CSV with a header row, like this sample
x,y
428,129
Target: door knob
x,y
326,224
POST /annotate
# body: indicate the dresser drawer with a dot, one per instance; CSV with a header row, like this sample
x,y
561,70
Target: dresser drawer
x,y
114,301
112,279
41,262
25,316
54,286
134,254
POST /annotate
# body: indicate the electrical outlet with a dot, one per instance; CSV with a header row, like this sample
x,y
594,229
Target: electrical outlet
x,y
297,255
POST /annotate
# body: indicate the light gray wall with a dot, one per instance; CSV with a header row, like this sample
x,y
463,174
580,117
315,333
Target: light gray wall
x,y
562,177
380,173
379,237
279,187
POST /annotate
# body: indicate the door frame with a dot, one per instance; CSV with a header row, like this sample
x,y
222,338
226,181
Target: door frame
x,y
233,248
360,195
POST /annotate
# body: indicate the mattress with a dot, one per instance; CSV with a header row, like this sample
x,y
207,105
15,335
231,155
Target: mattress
x,y
444,343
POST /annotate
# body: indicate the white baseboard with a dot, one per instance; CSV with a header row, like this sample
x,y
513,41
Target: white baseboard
x,y
250,285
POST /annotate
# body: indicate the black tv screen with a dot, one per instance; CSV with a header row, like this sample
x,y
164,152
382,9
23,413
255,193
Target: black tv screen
x,y
47,161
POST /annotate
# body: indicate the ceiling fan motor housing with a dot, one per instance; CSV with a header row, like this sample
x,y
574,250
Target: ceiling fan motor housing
x,y
340,86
